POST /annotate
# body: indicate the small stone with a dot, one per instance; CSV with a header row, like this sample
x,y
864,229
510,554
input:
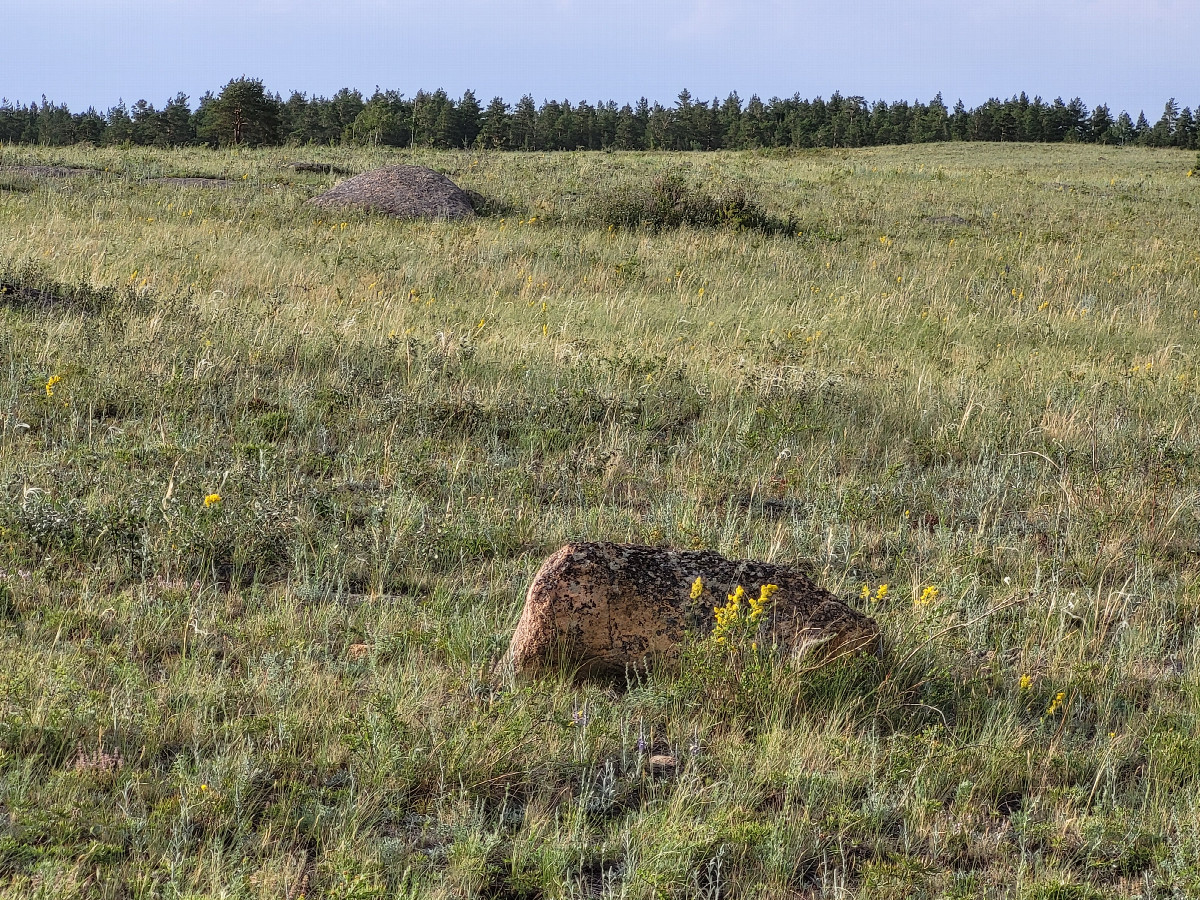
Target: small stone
x,y
358,651
661,763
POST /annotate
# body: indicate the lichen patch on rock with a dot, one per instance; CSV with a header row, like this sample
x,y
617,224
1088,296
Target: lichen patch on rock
x,y
405,192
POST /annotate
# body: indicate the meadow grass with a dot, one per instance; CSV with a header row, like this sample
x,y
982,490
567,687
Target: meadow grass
x,y
272,485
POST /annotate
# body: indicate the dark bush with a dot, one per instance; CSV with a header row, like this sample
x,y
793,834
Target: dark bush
x,y
27,287
670,202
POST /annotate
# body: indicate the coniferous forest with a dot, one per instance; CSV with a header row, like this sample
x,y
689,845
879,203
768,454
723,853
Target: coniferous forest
x,y
245,113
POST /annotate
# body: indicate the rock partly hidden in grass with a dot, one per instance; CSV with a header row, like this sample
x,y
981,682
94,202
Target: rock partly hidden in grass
x,y
47,171
201,181
322,168
601,609
406,192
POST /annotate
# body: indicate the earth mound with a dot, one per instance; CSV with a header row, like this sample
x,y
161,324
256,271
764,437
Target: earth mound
x,y
405,192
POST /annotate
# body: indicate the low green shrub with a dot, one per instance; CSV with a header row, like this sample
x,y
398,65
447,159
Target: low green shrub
x,y
670,202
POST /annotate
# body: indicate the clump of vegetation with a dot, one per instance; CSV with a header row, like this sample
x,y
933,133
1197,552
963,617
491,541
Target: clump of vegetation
x,y
490,206
29,287
16,183
669,201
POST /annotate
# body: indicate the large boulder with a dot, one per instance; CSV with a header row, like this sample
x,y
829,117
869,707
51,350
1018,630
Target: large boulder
x,y
406,192
598,609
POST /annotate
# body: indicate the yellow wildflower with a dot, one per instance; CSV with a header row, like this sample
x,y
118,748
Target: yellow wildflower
x,y
729,618
212,499
759,605
727,615
1026,682
54,379
928,595
697,588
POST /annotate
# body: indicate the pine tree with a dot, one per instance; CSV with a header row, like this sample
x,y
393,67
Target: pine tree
x,y
587,126
1141,130
1076,120
1125,132
495,129
1033,121
89,126
1164,129
444,128
960,122
606,124
938,120
1100,126
1185,130
641,113
55,127
177,121
344,107
469,119
682,133
659,129
120,126
729,121
524,124
148,128
627,137
377,124
242,114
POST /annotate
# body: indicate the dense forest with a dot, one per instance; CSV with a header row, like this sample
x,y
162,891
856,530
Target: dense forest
x,y
245,113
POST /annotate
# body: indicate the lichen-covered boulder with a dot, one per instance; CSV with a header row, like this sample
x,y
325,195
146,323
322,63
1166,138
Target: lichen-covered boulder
x,y
406,192
598,609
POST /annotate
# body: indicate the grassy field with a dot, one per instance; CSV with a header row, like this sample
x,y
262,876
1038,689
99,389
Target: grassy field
x,y
272,486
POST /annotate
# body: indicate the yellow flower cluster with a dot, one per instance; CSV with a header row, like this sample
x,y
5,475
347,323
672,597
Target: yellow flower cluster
x,y
729,617
928,595
878,597
1056,703
54,379
212,500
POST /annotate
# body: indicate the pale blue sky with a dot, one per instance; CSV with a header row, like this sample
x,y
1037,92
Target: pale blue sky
x,y
1132,55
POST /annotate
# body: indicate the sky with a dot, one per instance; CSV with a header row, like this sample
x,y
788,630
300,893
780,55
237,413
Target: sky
x,y
1130,55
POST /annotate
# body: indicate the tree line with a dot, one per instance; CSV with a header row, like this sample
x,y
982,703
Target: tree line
x,y
244,113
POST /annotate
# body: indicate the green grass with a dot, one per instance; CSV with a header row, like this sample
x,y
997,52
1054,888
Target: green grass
x,y
964,366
